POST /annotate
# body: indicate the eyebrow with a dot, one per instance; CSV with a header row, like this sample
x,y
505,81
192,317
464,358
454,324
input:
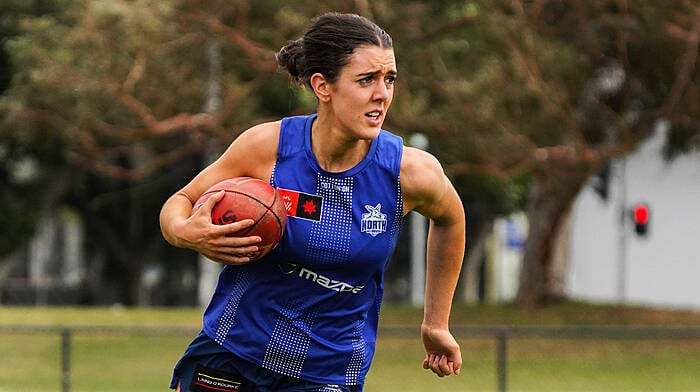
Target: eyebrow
x,y
375,73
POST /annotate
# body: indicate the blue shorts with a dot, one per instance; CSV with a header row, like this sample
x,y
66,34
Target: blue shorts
x,y
206,366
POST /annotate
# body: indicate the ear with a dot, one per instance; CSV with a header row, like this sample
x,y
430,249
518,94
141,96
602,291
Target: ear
x,y
321,87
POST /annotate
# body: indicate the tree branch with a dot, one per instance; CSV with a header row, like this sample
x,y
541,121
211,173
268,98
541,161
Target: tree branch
x,y
686,64
109,169
260,56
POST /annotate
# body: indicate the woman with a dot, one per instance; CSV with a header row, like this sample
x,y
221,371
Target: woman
x,y
304,318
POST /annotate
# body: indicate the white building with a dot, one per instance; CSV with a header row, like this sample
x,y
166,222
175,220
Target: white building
x,y
608,262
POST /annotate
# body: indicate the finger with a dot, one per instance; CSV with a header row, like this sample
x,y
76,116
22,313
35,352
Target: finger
x,y
458,363
426,361
236,260
234,227
224,258
445,365
234,255
212,200
239,251
215,198
435,366
207,206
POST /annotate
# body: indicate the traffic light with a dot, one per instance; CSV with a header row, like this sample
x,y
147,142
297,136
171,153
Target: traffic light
x,y
641,216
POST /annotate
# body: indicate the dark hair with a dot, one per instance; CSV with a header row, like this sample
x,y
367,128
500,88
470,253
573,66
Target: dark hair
x,y
327,45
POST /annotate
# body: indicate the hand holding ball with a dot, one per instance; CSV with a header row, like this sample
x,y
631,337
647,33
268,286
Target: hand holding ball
x,y
249,198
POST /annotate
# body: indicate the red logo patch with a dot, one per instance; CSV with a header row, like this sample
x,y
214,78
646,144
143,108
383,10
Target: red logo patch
x,y
301,205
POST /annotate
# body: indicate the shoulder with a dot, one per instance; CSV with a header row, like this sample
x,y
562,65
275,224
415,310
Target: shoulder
x,y
420,172
253,152
424,185
260,135
267,134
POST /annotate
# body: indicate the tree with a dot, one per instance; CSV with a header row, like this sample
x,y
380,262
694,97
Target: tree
x,y
121,90
536,96
22,184
522,101
639,67
116,90
554,90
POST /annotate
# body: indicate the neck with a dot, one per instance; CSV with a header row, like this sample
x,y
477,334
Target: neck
x,y
334,151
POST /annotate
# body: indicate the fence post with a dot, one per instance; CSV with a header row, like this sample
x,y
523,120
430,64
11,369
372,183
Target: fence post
x,y
65,359
502,359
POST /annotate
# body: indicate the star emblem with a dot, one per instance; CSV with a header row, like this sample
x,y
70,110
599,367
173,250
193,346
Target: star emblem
x,y
309,207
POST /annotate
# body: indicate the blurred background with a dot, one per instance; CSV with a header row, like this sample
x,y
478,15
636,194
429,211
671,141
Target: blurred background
x,y
569,128
554,119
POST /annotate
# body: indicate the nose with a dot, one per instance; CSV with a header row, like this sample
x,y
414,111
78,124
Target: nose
x,y
382,91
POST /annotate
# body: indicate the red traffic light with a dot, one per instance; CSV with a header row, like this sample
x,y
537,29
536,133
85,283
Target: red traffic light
x,y
641,214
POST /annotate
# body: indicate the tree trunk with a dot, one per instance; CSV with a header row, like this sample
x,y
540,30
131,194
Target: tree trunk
x,y
552,193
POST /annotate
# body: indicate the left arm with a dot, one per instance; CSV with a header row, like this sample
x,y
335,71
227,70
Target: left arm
x,y
429,192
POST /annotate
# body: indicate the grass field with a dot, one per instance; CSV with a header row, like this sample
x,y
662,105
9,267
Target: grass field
x,y
114,361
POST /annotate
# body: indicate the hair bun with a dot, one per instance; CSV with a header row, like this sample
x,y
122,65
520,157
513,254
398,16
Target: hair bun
x,y
291,57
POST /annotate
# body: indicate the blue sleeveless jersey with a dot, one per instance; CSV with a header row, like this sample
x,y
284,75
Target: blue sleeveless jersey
x,y
310,308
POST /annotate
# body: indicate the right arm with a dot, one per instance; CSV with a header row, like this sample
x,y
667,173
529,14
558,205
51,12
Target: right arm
x,y
427,190
252,154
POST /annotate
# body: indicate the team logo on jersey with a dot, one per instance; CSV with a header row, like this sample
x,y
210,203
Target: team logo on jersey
x,y
373,222
301,205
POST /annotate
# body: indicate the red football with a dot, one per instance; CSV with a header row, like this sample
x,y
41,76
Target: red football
x,y
249,198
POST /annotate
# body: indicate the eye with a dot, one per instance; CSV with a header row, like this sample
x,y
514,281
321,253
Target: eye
x,y
367,80
391,79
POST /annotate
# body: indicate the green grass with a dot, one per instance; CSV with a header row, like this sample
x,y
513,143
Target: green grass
x,y
113,316
604,365
109,363
546,365
114,361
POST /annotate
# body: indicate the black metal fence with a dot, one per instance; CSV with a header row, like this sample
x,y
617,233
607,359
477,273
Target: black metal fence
x,y
66,334
501,334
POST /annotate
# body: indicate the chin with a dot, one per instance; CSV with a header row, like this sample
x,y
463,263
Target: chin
x,y
370,133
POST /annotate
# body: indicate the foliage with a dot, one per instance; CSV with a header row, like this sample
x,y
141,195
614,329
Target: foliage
x,y
546,93
130,99
23,159
116,103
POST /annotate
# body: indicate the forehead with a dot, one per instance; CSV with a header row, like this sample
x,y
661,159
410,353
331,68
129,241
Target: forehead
x,y
371,59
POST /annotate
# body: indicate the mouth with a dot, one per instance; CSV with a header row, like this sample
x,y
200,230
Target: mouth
x,y
374,115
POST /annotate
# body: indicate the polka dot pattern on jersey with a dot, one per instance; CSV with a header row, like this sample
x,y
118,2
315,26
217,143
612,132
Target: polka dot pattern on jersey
x,y
329,240
398,217
228,317
290,341
352,376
